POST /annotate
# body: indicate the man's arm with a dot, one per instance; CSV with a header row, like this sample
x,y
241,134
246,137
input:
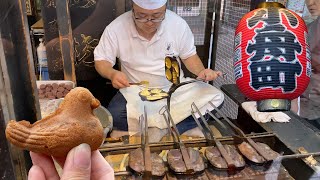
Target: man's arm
x,y
195,65
106,70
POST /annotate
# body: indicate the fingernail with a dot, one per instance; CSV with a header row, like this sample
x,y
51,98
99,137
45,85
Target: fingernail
x,y
82,156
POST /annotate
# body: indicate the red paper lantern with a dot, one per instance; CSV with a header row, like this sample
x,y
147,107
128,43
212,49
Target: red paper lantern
x,y
271,56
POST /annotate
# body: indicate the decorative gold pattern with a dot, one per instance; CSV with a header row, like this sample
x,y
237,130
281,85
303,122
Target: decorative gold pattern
x,y
50,3
87,3
53,25
84,50
28,8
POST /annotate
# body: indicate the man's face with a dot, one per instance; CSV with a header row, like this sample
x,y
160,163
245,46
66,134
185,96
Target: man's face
x,y
148,21
314,7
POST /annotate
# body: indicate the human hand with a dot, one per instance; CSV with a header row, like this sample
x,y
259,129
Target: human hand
x,y
209,75
119,80
81,164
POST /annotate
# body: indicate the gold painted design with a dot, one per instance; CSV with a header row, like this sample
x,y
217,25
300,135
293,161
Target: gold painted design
x,y
85,49
89,4
50,3
53,26
28,8
84,3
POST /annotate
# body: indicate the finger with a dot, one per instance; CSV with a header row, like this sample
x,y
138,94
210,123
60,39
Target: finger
x,y
46,164
36,173
124,84
114,84
100,167
219,73
60,160
201,76
78,163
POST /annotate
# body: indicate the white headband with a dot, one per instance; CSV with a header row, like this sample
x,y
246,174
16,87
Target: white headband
x,y
150,4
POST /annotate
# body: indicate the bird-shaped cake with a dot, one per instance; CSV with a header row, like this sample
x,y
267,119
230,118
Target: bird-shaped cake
x,y
71,124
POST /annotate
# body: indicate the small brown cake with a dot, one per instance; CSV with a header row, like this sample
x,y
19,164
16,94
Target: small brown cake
x,y
71,124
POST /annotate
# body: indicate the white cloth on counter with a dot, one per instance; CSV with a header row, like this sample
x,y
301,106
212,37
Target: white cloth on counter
x,y
198,92
263,117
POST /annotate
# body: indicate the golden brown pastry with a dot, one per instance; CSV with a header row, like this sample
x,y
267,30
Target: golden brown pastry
x,y
71,124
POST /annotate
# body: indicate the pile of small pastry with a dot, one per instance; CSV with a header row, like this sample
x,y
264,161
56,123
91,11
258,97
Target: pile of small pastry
x,y
152,94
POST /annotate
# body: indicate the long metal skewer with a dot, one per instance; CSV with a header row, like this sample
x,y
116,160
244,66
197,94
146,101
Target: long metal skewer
x,y
212,139
183,149
145,145
241,133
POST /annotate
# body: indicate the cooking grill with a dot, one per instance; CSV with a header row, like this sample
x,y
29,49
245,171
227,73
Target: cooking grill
x,y
284,167
251,171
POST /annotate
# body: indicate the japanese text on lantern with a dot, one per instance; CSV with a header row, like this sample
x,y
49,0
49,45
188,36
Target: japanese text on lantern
x,y
273,50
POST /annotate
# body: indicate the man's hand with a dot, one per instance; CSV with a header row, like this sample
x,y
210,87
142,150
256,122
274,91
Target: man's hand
x,y
209,75
119,80
80,164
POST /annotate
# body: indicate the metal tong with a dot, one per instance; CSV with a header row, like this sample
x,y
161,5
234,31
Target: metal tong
x,y
242,134
176,139
145,145
211,139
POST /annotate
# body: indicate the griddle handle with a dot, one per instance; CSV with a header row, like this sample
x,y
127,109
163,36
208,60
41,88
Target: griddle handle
x,y
216,119
147,163
194,107
239,131
146,148
186,159
183,150
225,155
201,128
162,112
222,150
259,150
249,140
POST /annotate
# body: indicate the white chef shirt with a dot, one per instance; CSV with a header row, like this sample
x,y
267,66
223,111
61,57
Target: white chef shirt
x,y
140,58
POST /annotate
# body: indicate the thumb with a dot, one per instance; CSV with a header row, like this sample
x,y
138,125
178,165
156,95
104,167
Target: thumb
x,y
201,75
78,163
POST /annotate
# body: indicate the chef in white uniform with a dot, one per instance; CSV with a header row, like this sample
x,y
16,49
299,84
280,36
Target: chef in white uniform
x,y
141,39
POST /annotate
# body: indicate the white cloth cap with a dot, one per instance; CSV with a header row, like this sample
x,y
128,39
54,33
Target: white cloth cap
x,y
150,4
